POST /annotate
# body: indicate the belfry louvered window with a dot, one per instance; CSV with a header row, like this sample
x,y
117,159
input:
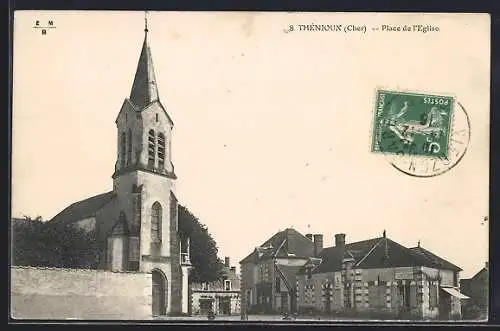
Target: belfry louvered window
x,y
151,148
161,150
123,146
129,146
156,223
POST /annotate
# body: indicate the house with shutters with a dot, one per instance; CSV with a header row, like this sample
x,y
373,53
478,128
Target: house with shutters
x,y
380,277
136,223
222,297
268,274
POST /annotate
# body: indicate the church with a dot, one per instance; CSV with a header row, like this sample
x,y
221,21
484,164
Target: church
x,y
136,223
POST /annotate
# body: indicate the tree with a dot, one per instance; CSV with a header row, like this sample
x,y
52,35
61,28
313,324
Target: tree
x,y
40,244
207,267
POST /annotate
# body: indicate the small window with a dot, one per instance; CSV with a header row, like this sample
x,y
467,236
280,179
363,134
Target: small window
x,y
227,285
123,148
156,223
309,272
277,284
157,119
129,147
404,295
205,286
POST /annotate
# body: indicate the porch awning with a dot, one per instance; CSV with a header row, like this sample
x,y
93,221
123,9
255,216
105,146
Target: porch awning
x,y
455,293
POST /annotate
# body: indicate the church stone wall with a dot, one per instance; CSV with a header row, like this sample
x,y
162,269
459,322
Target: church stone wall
x,y
45,293
155,189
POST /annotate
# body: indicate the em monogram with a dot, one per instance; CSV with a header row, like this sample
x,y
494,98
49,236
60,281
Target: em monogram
x,y
412,124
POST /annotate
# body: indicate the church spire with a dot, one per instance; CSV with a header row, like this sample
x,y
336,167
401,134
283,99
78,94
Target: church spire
x,y
144,89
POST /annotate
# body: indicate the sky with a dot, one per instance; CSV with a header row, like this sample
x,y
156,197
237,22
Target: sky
x,y
272,129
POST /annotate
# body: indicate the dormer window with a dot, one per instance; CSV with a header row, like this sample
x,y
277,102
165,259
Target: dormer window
x,y
205,286
227,285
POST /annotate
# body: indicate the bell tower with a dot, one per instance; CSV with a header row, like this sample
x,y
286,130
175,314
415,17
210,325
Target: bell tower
x,y
144,185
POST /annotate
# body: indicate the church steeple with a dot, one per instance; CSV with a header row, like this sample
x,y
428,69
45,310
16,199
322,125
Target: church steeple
x,y
144,89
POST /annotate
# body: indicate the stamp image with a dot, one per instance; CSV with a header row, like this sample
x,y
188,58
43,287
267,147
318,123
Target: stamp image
x,y
412,124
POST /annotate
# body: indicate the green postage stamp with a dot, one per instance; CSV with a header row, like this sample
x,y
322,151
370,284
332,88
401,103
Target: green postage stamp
x,y
412,124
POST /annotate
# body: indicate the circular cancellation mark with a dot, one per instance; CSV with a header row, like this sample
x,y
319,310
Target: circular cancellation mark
x,y
428,166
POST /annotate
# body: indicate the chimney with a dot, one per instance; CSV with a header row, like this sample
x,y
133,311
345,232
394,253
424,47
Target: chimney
x,y
309,236
386,247
486,265
318,244
340,244
226,261
340,240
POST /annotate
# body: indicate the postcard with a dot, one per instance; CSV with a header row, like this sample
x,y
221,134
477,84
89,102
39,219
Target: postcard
x,y
250,166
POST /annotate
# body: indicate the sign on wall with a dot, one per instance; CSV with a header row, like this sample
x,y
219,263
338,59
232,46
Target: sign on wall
x,y
403,273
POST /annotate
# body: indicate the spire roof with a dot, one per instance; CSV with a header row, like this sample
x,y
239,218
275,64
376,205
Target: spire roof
x,y
144,89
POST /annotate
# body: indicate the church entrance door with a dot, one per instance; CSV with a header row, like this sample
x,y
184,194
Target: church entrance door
x,y
159,304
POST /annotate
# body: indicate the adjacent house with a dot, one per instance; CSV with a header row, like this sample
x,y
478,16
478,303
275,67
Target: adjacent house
x,y
377,277
380,276
268,273
477,289
222,297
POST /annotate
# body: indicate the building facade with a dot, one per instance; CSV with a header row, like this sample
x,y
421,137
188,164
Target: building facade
x,y
268,273
221,297
137,223
380,278
377,277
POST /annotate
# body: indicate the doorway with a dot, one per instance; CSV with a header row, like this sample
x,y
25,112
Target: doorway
x,y
225,306
206,305
444,305
159,304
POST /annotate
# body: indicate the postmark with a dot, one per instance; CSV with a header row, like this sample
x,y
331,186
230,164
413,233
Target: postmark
x,y
419,166
412,124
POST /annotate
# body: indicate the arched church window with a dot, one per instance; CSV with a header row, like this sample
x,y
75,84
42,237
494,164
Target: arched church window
x,y
129,147
156,223
151,148
161,150
123,148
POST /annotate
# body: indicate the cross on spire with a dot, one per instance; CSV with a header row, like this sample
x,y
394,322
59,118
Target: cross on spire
x,y
146,21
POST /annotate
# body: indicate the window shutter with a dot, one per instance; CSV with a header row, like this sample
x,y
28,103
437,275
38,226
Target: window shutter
x,y
161,150
432,295
413,295
394,296
151,148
